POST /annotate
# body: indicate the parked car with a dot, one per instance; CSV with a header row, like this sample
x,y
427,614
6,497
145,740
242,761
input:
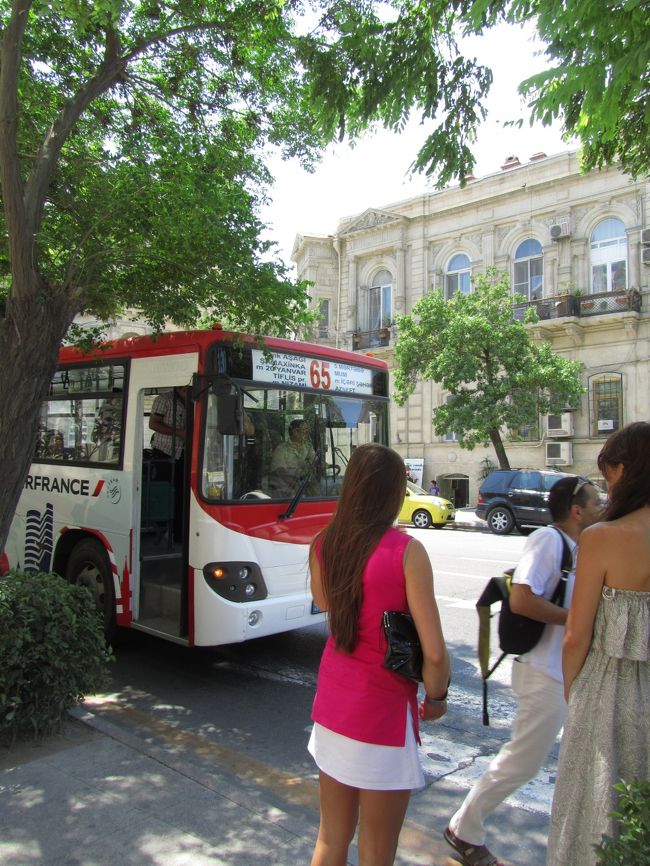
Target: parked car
x,y
516,497
423,510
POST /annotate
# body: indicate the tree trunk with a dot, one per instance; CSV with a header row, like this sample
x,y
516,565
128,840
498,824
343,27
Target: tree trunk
x,y
35,323
497,442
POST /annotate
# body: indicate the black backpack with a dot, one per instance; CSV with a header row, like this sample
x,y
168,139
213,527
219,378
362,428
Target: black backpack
x,y
517,634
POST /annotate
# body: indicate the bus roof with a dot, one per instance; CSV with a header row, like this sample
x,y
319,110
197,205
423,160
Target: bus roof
x,y
176,342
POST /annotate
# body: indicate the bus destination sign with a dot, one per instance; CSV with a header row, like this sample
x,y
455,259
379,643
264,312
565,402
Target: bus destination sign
x,y
301,371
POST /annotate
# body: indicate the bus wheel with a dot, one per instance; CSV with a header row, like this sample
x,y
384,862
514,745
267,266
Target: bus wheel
x,y
88,565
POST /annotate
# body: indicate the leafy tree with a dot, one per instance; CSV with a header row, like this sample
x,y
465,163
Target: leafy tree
x,y
598,77
133,138
495,374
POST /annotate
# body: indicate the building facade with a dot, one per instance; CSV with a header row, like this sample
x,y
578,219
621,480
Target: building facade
x,y
576,246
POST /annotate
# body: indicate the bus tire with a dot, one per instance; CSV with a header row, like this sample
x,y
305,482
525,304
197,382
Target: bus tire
x,y
88,565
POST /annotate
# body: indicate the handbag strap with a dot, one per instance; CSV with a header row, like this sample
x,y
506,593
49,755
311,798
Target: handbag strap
x,y
566,564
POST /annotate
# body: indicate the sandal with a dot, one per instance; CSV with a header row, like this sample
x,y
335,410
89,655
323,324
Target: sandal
x,y
473,855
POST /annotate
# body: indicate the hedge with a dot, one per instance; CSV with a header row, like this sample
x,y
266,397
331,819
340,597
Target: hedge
x,y
52,649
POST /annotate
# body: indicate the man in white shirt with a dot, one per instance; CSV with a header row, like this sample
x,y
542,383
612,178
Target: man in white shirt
x,y
293,460
574,504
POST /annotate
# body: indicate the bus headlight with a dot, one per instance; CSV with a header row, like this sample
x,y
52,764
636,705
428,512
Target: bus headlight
x,y
236,581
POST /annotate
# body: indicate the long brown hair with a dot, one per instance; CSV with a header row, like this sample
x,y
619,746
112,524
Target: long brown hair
x,y
371,497
630,446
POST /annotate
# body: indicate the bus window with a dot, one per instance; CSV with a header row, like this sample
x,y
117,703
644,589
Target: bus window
x,y
82,419
213,481
289,436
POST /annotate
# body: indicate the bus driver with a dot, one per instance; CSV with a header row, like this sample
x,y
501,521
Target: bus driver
x,y
292,460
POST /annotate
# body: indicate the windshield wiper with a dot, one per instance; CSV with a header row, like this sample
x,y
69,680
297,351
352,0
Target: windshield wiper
x,y
297,496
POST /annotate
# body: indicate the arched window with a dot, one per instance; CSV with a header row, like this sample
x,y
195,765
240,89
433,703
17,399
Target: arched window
x,y
608,256
458,275
529,270
606,395
380,301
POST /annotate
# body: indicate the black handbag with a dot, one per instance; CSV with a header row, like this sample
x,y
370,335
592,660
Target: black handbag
x,y
403,653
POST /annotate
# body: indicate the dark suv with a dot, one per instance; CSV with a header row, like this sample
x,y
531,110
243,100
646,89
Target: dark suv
x,y
516,497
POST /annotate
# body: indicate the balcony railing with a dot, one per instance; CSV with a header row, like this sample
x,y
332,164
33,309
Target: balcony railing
x,y
597,304
371,339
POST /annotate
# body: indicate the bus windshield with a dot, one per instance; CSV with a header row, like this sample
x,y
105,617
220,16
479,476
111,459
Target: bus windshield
x,y
290,437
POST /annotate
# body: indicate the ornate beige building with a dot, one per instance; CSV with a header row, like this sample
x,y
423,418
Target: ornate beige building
x,y
577,246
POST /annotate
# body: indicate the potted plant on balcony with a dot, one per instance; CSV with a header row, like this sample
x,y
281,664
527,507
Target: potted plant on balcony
x,y
384,330
566,305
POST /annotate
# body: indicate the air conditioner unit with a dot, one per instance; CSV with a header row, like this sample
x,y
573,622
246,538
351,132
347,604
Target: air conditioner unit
x,y
559,453
559,425
560,230
646,255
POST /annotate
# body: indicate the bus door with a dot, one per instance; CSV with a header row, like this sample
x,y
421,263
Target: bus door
x,y
166,417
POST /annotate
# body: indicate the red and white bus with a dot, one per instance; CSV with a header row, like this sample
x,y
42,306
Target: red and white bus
x,y
209,549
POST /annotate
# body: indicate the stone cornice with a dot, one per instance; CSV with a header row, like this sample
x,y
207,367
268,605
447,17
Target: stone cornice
x,y
373,219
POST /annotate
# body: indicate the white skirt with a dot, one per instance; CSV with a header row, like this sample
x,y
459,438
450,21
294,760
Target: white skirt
x,y
367,765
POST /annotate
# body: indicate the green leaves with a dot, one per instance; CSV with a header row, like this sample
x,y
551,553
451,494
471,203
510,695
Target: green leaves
x,y
631,846
599,78
495,376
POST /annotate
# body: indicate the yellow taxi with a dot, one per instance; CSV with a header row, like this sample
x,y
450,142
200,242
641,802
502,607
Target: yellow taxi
x,y
424,510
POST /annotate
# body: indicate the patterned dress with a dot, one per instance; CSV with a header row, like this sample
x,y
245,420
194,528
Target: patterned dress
x,y
607,733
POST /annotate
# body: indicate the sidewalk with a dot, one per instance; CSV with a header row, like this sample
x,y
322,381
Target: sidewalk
x,y
117,792
466,519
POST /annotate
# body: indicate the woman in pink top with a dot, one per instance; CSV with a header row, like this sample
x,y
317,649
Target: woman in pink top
x,y
365,733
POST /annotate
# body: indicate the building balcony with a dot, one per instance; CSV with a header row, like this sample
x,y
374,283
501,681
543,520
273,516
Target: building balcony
x,y
596,304
371,339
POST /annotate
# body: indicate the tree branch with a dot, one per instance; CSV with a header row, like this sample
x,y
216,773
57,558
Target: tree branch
x,y
12,188
141,47
112,67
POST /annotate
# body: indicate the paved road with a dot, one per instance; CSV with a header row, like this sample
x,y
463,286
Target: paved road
x,y
247,706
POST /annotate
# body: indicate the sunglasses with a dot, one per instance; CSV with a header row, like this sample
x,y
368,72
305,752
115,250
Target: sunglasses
x,y
580,483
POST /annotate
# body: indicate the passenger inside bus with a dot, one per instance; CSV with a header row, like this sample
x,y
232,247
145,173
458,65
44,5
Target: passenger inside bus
x,y
167,420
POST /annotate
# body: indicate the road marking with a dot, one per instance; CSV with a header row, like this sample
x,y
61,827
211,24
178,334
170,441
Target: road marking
x,y
478,559
483,578
463,765
452,601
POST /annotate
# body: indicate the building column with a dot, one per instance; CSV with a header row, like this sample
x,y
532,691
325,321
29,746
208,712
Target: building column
x,y
353,296
400,282
633,259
